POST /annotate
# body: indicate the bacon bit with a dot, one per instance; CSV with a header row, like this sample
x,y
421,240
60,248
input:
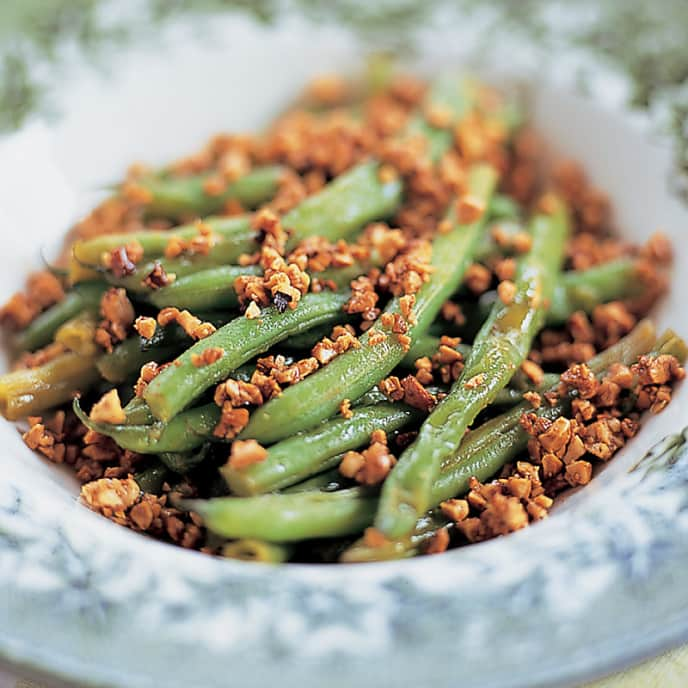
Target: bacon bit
x,y
193,326
475,381
109,410
245,453
157,278
345,409
146,327
111,496
439,542
506,290
470,209
207,357
232,422
118,316
376,337
533,372
253,311
477,278
533,398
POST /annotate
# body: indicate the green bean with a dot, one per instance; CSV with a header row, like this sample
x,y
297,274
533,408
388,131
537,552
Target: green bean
x,y
206,290
184,462
186,432
128,357
287,517
328,481
241,339
486,449
78,334
85,297
138,413
500,347
151,480
345,205
457,99
234,236
353,373
295,459
179,197
585,289
30,392
304,515
258,551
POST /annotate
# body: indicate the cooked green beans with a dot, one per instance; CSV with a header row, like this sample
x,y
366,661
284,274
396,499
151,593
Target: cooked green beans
x,y
241,339
287,517
179,197
30,392
353,373
295,459
186,432
500,347
85,297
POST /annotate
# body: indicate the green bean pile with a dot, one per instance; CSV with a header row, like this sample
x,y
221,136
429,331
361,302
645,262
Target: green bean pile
x,y
293,498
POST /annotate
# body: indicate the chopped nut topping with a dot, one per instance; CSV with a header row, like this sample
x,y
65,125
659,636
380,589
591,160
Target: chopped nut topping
x,y
369,467
506,290
111,496
118,316
195,328
245,453
209,356
109,410
157,278
146,327
477,278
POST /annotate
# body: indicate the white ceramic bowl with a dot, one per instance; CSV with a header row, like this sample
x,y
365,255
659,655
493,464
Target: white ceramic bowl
x,y
596,587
